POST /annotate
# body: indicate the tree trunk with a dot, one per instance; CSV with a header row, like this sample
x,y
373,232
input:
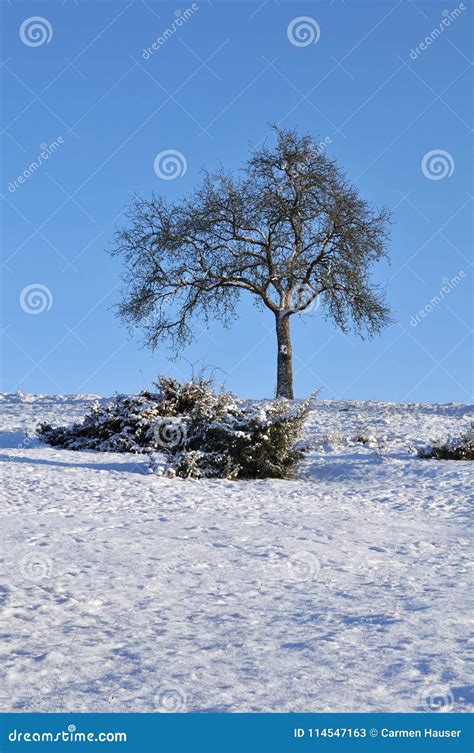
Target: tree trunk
x,y
284,360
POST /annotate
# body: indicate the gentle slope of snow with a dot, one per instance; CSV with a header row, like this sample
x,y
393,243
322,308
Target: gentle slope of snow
x,y
344,590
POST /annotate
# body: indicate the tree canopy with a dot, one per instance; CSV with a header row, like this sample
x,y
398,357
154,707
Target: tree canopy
x,y
289,228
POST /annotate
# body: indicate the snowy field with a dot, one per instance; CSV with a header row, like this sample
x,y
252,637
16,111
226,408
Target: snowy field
x,y
345,590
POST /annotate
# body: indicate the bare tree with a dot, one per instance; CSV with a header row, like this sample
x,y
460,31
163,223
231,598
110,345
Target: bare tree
x,y
290,228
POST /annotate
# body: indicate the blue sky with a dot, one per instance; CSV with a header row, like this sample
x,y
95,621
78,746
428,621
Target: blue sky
x,y
397,117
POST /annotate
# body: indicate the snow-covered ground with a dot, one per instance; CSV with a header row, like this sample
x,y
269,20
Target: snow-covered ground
x,y
345,590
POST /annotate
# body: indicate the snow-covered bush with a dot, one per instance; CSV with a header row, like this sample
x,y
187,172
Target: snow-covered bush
x,y
201,432
123,425
454,448
242,442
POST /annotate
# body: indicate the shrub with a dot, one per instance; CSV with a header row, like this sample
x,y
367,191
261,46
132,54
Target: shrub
x,y
454,448
202,433
243,442
123,425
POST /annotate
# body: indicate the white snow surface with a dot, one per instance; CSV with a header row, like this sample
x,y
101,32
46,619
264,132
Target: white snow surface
x,y
346,589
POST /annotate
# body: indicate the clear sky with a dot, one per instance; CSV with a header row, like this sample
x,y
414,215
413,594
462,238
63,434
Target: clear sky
x,y
387,84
